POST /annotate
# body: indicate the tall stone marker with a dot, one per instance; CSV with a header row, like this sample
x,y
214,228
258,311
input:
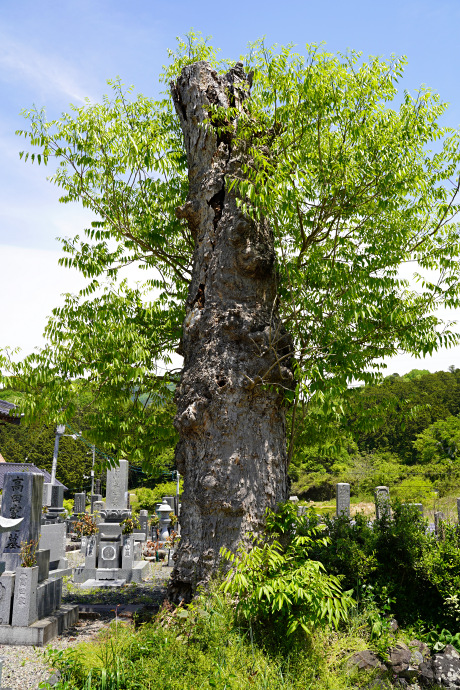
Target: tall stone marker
x,y
382,502
117,487
22,497
342,498
79,503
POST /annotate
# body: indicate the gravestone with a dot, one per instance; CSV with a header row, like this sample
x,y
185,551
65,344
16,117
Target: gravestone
x,y
6,596
22,497
439,517
144,521
56,508
342,499
127,558
79,503
53,537
25,597
382,502
91,552
117,487
419,507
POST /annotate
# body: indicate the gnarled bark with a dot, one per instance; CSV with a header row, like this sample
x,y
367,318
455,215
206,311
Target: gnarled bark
x,y
232,429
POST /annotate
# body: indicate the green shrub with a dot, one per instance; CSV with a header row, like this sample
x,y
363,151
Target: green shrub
x,y
147,499
276,580
393,556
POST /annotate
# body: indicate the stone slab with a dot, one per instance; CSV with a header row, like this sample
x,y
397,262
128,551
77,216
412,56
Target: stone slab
x,y
59,573
107,573
53,537
49,597
117,486
82,574
109,552
140,571
57,496
6,597
79,503
47,493
109,530
342,499
25,597
22,497
43,561
127,553
90,584
382,501
91,552
41,632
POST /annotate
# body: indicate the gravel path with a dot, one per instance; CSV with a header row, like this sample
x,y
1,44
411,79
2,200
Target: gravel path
x,y
25,667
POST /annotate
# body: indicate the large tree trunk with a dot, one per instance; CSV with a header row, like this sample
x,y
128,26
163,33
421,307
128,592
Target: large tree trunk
x,y
232,449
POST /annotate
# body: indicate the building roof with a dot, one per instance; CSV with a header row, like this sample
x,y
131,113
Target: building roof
x,y
5,408
24,467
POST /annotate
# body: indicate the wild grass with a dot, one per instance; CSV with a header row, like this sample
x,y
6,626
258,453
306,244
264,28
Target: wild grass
x,y
202,647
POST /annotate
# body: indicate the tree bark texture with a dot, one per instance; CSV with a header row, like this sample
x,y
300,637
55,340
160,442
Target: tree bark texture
x,y
230,416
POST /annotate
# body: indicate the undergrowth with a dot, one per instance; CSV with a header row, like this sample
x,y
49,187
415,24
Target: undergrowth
x,y
202,647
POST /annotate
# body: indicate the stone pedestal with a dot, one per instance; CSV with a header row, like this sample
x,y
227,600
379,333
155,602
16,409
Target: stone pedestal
x,y
25,610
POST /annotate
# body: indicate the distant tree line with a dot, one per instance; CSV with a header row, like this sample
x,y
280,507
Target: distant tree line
x,y
404,432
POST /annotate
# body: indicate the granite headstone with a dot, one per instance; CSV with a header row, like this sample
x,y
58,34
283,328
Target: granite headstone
x,y
79,503
342,499
382,502
22,497
117,487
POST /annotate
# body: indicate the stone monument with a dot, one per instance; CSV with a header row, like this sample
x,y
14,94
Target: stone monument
x,y
30,597
342,499
382,502
112,558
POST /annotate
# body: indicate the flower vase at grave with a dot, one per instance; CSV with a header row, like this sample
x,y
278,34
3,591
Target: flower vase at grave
x,y
25,596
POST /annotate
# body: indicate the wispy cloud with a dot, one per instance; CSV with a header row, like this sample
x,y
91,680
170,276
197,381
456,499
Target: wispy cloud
x,y
47,73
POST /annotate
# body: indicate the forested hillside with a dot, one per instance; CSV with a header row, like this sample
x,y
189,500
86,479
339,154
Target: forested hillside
x,y
35,445
410,441
410,438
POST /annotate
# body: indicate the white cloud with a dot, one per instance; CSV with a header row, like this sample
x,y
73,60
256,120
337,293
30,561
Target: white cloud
x,y
32,282
48,74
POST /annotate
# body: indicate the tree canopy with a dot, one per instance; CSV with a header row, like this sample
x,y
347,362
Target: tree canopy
x,y
354,179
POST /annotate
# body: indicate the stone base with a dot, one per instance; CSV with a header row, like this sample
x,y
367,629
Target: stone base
x,y
134,574
60,572
42,631
90,584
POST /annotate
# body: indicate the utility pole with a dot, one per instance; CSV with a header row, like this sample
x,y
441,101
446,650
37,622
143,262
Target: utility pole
x,y
60,429
92,479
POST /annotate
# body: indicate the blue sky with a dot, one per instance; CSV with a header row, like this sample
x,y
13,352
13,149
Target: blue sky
x,y
52,54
